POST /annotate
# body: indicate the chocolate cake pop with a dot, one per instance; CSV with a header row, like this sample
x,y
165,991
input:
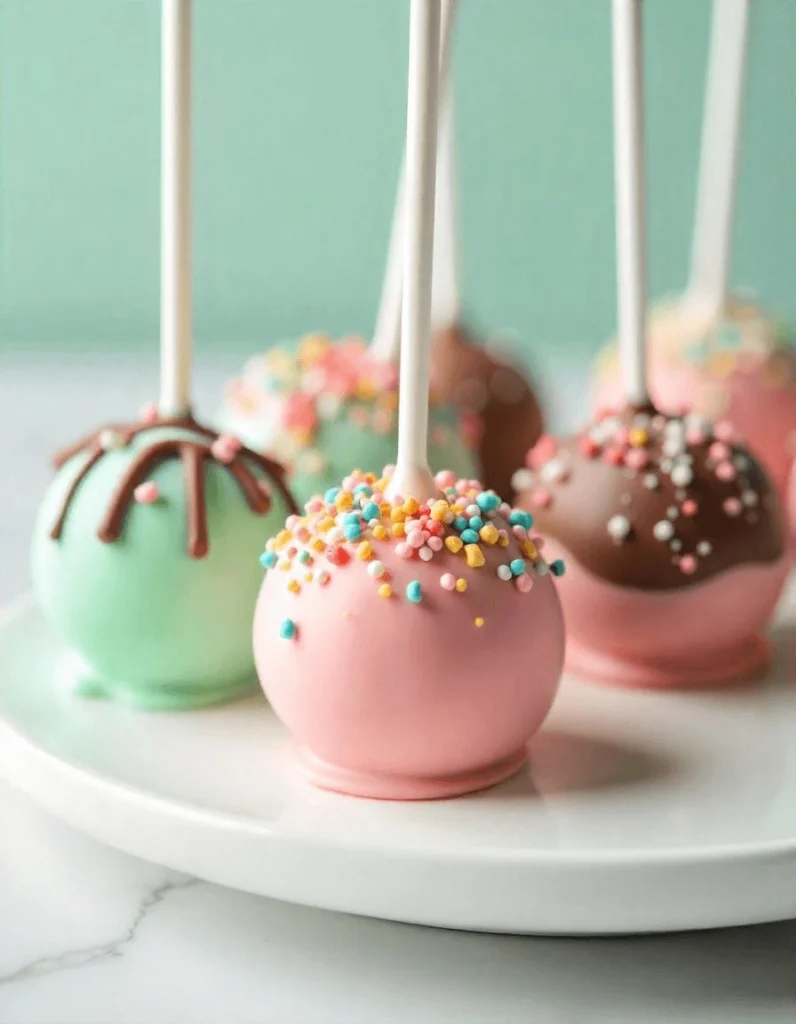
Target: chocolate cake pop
x,y
144,550
408,632
671,530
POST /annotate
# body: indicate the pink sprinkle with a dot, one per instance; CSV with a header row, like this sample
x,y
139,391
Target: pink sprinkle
x,y
695,436
588,446
688,564
323,577
410,525
303,534
725,471
541,497
148,413
404,550
415,539
636,458
291,522
519,531
434,528
225,448
292,551
444,479
724,430
314,505
718,451
504,534
435,543
538,542
732,506
689,507
544,450
146,492
524,583
614,456
426,554
377,497
349,483
447,581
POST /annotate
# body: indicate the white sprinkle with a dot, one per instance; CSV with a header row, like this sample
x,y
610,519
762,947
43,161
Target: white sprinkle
x,y
376,569
335,535
472,510
672,512
682,475
673,446
426,554
522,480
676,545
666,465
641,421
674,427
111,440
618,527
651,482
328,405
749,498
554,471
694,421
663,530
703,549
504,572
741,462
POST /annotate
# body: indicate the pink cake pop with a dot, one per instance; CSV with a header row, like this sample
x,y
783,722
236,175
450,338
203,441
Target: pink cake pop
x,y
408,632
713,353
672,532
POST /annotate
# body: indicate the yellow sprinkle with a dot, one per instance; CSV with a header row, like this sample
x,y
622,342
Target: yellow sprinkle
x,y
286,565
282,538
294,586
439,510
503,542
638,437
411,505
478,621
365,551
528,548
308,577
454,544
318,545
365,389
474,556
461,584
457,509
344,501
385,509
398,530
385,590
380,532
489,534
397,515
325,524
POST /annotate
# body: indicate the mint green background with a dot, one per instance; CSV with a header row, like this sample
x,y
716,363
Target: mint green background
x,y
299,124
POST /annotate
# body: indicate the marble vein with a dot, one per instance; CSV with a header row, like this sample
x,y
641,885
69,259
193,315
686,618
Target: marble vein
x,y
75,958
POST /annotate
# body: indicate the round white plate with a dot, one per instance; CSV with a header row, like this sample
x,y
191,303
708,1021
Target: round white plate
x,y
639,812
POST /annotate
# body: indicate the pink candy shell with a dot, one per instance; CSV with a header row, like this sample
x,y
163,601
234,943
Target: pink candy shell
x,y
416,702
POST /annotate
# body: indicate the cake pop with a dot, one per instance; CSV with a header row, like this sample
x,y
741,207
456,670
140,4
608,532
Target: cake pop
x,y
408,631
322,405
671,531
717,354
145,546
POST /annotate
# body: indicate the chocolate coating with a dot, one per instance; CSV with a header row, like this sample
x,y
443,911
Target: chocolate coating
x,y
509,415
660,513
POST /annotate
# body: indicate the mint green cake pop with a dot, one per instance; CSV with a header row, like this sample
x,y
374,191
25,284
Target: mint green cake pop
x,y
322,406
145,561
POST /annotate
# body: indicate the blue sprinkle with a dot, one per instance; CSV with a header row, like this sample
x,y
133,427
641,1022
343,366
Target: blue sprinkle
x,y
268,559
520,518
304,557
331,495
476,522
365,489
352,531
414,592
371,511
469,536
487,501
460,523
558,568
517,566
287,629
351,517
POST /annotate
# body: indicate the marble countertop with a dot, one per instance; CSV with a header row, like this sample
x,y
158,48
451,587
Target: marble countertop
x,y
88,934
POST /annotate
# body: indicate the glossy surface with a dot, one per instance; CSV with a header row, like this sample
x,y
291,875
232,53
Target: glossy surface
x,y
638,812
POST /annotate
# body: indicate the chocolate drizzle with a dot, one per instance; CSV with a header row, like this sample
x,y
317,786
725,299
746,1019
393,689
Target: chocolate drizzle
x,y
193,455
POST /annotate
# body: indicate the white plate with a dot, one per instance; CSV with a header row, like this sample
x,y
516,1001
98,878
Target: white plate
x,y
639,812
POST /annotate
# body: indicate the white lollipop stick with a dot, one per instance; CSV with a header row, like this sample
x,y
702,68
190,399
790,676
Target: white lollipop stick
x,y
629,175
412,476
387,336
446,282
718,171
175,266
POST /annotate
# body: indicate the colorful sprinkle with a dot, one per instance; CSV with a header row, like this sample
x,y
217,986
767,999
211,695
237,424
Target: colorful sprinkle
x,y
146,493
268,559
287,629
414,592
